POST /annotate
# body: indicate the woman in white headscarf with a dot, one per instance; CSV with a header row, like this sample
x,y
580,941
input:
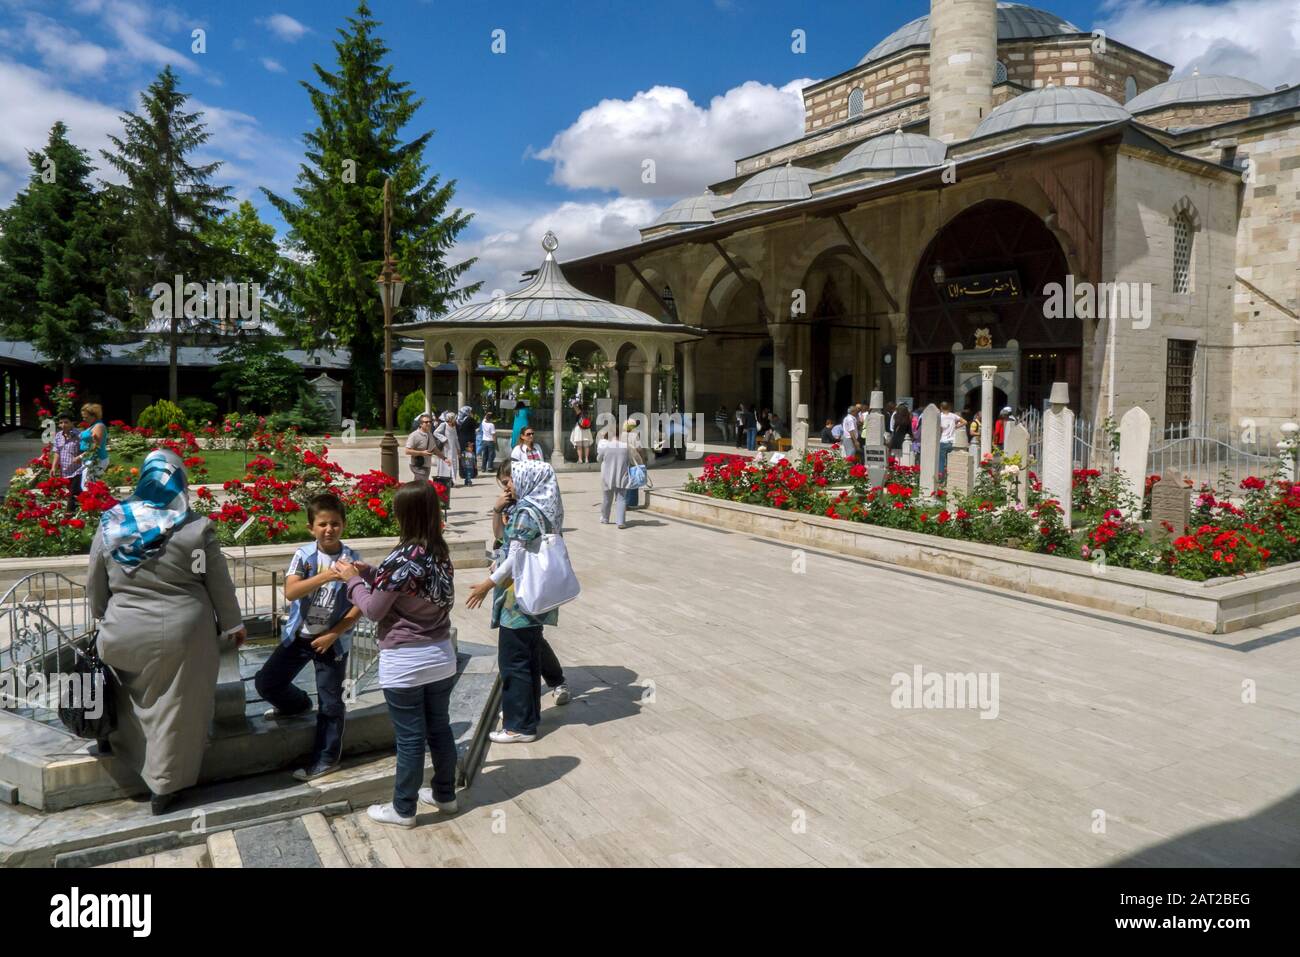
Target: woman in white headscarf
x,y
538,510
445,468
159,583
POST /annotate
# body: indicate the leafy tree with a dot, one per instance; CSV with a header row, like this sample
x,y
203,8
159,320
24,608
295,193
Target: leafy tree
x,y
256,374
248,247
56,257
336,218
168,204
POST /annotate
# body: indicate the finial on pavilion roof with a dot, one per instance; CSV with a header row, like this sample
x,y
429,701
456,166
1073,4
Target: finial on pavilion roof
x,y
549,242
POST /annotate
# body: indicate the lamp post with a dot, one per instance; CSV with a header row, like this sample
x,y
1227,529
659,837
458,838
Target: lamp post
x,y
390,285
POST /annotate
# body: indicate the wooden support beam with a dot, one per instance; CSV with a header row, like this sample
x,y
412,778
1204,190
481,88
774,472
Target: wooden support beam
x,y
731,264
650,289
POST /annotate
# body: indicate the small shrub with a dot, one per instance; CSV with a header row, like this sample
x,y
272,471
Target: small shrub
x,y
198,411
411,407
162,414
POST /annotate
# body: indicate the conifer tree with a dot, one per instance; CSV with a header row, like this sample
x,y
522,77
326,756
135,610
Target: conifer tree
x,y
168,204
335,218
56,259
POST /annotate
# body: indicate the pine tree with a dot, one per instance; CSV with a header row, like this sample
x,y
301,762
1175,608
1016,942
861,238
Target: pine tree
x,y
250,253
336,222
168,203
56,259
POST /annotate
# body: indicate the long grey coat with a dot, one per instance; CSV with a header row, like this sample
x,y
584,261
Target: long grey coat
x,y
615,458
159,632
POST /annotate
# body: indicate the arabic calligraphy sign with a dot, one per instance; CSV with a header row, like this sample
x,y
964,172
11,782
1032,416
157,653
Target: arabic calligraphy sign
x,y
989,287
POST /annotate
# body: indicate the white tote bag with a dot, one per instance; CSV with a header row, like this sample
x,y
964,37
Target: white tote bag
x,y
546,579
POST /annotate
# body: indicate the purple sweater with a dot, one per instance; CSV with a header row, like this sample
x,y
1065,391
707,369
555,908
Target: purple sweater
x,y
403,619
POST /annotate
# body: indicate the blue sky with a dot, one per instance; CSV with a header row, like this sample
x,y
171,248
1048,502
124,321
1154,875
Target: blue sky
x,y
553,131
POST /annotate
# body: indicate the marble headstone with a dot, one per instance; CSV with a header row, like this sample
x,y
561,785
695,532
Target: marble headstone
x,y
929,447
1015,441
959,473
799,438
1058,457
876,459
1134,444
1171,501
875,434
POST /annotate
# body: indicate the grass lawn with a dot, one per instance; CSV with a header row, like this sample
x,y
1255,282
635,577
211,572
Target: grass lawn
x,y
222,464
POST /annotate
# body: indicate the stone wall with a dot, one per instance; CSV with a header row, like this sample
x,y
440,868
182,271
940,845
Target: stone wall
x,y
1138,247
883,85
1196,114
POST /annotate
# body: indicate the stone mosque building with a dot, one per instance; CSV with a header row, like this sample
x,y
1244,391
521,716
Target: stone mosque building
x,y
971,160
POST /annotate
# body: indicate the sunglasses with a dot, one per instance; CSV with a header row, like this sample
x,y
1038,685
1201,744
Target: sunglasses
x,y
525,433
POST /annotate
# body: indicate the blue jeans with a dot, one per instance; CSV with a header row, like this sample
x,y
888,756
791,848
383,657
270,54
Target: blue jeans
x,y
519,654
274,682
944,449
751,439
489,456
421,717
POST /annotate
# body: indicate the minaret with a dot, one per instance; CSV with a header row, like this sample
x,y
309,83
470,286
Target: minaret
x,y
963,55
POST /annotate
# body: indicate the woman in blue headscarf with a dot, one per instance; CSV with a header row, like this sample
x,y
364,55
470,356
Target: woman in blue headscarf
x,y
160,585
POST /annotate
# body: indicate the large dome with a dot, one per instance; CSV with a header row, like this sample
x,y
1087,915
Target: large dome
x,y
892,151
692,211
1193,89
1052,106
1015,22
780,184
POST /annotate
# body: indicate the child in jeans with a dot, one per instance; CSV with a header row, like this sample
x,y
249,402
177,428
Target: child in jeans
x,y
319,630
410,594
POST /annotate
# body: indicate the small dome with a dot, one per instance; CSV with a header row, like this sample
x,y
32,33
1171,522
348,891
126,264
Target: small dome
x,y
891,151
780,184
1193,89
1052,106
1015,22
690,211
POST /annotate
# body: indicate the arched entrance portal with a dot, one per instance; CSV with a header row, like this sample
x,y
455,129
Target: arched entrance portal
x,y
986,270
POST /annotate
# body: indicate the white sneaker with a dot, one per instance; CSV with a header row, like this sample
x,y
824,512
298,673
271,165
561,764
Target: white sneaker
x,y
387,814
447,807
561,693
510,737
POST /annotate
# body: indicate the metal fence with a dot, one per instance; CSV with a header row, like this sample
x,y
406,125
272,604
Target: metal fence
x,y
42,617
1092,447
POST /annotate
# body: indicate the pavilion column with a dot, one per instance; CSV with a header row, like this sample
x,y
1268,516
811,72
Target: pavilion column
x,y
902,361
557,410
780,333
688,378
428,381
613,389
462,383
647,389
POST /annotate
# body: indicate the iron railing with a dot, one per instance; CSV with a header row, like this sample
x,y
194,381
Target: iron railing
x,y
43,617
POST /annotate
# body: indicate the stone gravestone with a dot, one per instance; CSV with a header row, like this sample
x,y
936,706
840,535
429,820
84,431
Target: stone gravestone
x,y
1015,441
929,447
875,434
330,392
799,443
959,474
904,455
1058,450
1171,501
876,459
1134,444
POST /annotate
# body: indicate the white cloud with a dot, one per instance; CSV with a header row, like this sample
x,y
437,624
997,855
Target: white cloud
x,y
60,47
691,145
1255,39
285,27
134,24
31,102
507,238
272,64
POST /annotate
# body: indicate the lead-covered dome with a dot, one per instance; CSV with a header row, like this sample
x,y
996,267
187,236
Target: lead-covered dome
x,y
1052,106
892,151
692,211
1193,89
780,184
1015,22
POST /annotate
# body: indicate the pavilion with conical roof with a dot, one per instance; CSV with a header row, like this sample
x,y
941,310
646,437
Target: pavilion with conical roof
x,y
551,317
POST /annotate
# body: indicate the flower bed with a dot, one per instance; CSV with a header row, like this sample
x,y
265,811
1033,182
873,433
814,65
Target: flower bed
x,y
1232,532
284,474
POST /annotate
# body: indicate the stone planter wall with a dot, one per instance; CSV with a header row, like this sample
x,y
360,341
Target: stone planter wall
x,y
1219,606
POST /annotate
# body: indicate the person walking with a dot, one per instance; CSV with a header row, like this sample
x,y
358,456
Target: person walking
x,y
63,458
489,430
615,458
466,426
738,423
161,588
849,433
92,445
411,594
723,421
444,434
538,510
751,429
422,448
549,661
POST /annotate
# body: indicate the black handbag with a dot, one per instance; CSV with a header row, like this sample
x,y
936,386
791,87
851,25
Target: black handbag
x,y
91,715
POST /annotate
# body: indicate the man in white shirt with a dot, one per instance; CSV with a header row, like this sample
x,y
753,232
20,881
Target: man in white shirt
x,y
488,430
949,422
849,436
